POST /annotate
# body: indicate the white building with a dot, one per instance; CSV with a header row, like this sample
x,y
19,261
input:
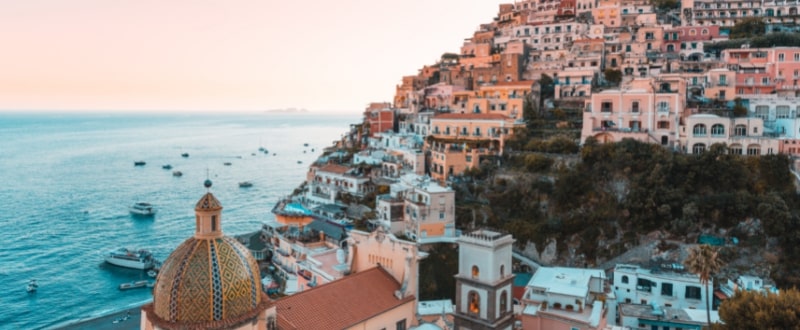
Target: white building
x,y
663,288
427,210
559,297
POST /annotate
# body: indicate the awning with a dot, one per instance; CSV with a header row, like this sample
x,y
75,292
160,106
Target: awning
x,y
721,295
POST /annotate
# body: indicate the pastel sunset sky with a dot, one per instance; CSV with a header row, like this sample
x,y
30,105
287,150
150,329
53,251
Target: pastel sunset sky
x,y
202,55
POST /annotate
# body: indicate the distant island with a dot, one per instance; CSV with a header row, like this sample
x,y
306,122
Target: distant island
x,y
288,110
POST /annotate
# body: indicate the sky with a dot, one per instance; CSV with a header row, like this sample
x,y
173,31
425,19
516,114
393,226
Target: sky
x,y
238,55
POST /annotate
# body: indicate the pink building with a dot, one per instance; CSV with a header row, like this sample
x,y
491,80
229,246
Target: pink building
x,y
765,70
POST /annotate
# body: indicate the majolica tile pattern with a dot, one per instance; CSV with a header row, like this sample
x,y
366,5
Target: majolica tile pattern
x,y
206,280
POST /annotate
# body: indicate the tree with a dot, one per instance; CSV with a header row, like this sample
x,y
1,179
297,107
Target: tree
x,y
748,27
613,75
756,310
739,110
703,260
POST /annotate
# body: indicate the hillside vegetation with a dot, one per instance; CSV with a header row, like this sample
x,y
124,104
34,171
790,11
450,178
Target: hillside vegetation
x,y
597,203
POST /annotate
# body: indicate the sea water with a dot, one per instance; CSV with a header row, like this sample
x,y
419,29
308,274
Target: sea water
x,y
67,180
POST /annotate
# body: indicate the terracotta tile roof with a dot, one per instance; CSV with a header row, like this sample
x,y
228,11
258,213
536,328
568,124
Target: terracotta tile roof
x,y
334,168
515,83
471,116
341,303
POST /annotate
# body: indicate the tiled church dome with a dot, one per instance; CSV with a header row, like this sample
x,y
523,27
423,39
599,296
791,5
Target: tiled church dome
x,y
208,282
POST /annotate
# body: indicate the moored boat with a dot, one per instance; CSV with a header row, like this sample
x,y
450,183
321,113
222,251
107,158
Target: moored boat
x,y
136,259
134,285
142,208
32,286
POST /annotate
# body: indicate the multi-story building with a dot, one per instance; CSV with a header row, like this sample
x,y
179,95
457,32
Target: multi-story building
x,y
566,298
718,13
459,140
325,182
426,209
638,110
639,316
663,288
765,70
380,117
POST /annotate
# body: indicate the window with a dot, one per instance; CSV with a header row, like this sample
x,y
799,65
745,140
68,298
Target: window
x,y
782,111
625,279
693,292
762,111
735,149
753,150
796,57
740,130
663,124
663,106
401,325
699,130
503,302
213,223
605,107
475,271
717,130
474,303
666,289
765,81
698,148
502,271
781,57
635,106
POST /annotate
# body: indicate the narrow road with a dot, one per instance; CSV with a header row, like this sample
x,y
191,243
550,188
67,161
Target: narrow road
x,y
525,260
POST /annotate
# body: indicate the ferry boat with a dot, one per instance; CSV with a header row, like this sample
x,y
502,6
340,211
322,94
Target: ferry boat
x,y
141,259
142,208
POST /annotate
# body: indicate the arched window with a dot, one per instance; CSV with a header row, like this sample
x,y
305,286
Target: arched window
x,y
474,302
699,130
625,279
475,271
502,271
698,148
670,48
740,130
735,149
503,302
717,130
753,149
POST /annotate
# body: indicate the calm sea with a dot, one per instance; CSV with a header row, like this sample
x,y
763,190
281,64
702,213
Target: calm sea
x,y
66,181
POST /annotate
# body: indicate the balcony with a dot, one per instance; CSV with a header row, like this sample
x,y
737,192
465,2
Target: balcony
x,y
643,288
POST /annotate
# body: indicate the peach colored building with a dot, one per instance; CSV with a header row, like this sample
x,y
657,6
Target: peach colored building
x,y
418,208
561,298
607,13
459,140
743,136
639,110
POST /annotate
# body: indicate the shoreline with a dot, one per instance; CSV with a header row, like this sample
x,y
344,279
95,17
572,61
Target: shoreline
x,y
106,321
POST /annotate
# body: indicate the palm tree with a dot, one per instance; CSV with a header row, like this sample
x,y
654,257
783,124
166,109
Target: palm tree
x,y
703,260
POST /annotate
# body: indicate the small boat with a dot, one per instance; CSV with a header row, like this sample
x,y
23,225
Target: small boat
x,y
262,149
32,286
305,144
142,208
152,273
167,167
227,163
185,155
134,285
245,184
136,259
299,161
177,173
139,163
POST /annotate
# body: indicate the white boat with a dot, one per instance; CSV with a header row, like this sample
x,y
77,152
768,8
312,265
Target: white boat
x,y
32,286
134,285
141,259
142,208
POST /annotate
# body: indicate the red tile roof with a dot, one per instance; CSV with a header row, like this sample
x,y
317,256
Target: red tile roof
x,y
334,168
341,303
471,116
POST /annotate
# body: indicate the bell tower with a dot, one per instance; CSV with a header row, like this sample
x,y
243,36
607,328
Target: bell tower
x,y
483,282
